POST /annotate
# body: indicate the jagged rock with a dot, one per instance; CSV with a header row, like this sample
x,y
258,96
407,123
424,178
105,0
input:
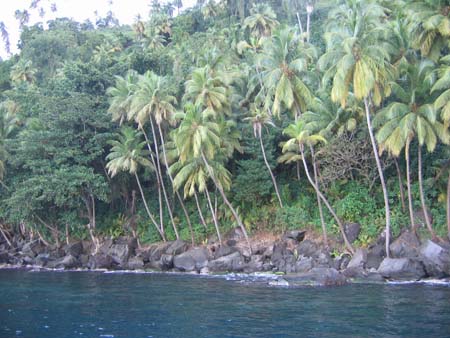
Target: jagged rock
x,y
4,257
375,256
100,261
84,259
307,248
155,251
191,260
42,259
406,245
402,269
135,263
358,260
267,254
119,253
304,264
436,259
297,235
255,265
323,260
74,249
177,247
361,274
224,250
105,246
352,231
32,249
234,234
67,262
166,262
233,262
317,276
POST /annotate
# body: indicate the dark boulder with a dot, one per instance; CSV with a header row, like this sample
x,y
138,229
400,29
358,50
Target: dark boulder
x,y
233,262
436,259
406,245
352,231
42,259
307,248
135,263
402,269
4,257
256,264
296,235
100,261
317,276
105,246
177,247
67,262
194,259
166,262
224,250
155,251
304,264
32,249
375,256
358,260
120,253
74,249
234,234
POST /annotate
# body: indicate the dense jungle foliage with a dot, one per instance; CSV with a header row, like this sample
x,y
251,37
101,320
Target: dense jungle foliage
x,y
268,115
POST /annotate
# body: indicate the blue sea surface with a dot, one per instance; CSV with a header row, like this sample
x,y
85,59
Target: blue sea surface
x,y
128,305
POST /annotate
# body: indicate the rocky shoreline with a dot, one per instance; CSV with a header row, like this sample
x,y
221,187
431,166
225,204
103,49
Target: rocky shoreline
x,y
294,259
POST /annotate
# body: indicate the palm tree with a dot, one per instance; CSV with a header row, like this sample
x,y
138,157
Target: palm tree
x,y
151,103
353,61
207,91
23,71
299,137
260,119
410,116
283,70
127,154
443,85
121,95
8,122
262,20
199,138
429,23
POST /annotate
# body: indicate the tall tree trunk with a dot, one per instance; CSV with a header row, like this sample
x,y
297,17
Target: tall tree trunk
x,y
158,169
160,231
325,201
448,205
319,204
408,184
380,173
270,171
200,213
158,182
400,185
214,216
300,27
422,195
186,214
5,236
309,10
227,202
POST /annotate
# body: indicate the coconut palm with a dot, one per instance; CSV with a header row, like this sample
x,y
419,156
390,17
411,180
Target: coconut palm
x,y
299,137
121,95
260,119
283,64
442,85
409,116
128,154
152,103
8,122
262,20
353,62
429,23
23,71
207,91
199,138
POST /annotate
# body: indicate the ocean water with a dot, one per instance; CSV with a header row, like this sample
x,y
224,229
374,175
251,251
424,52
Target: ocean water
x,y
95,304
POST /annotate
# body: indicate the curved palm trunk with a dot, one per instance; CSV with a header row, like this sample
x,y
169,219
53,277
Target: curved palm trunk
x,y
325,201
214,216
319,204
380,173
227,202
158,182
422,195
408,184
200,213
158,169
270,171
400,185
161,233
186,214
